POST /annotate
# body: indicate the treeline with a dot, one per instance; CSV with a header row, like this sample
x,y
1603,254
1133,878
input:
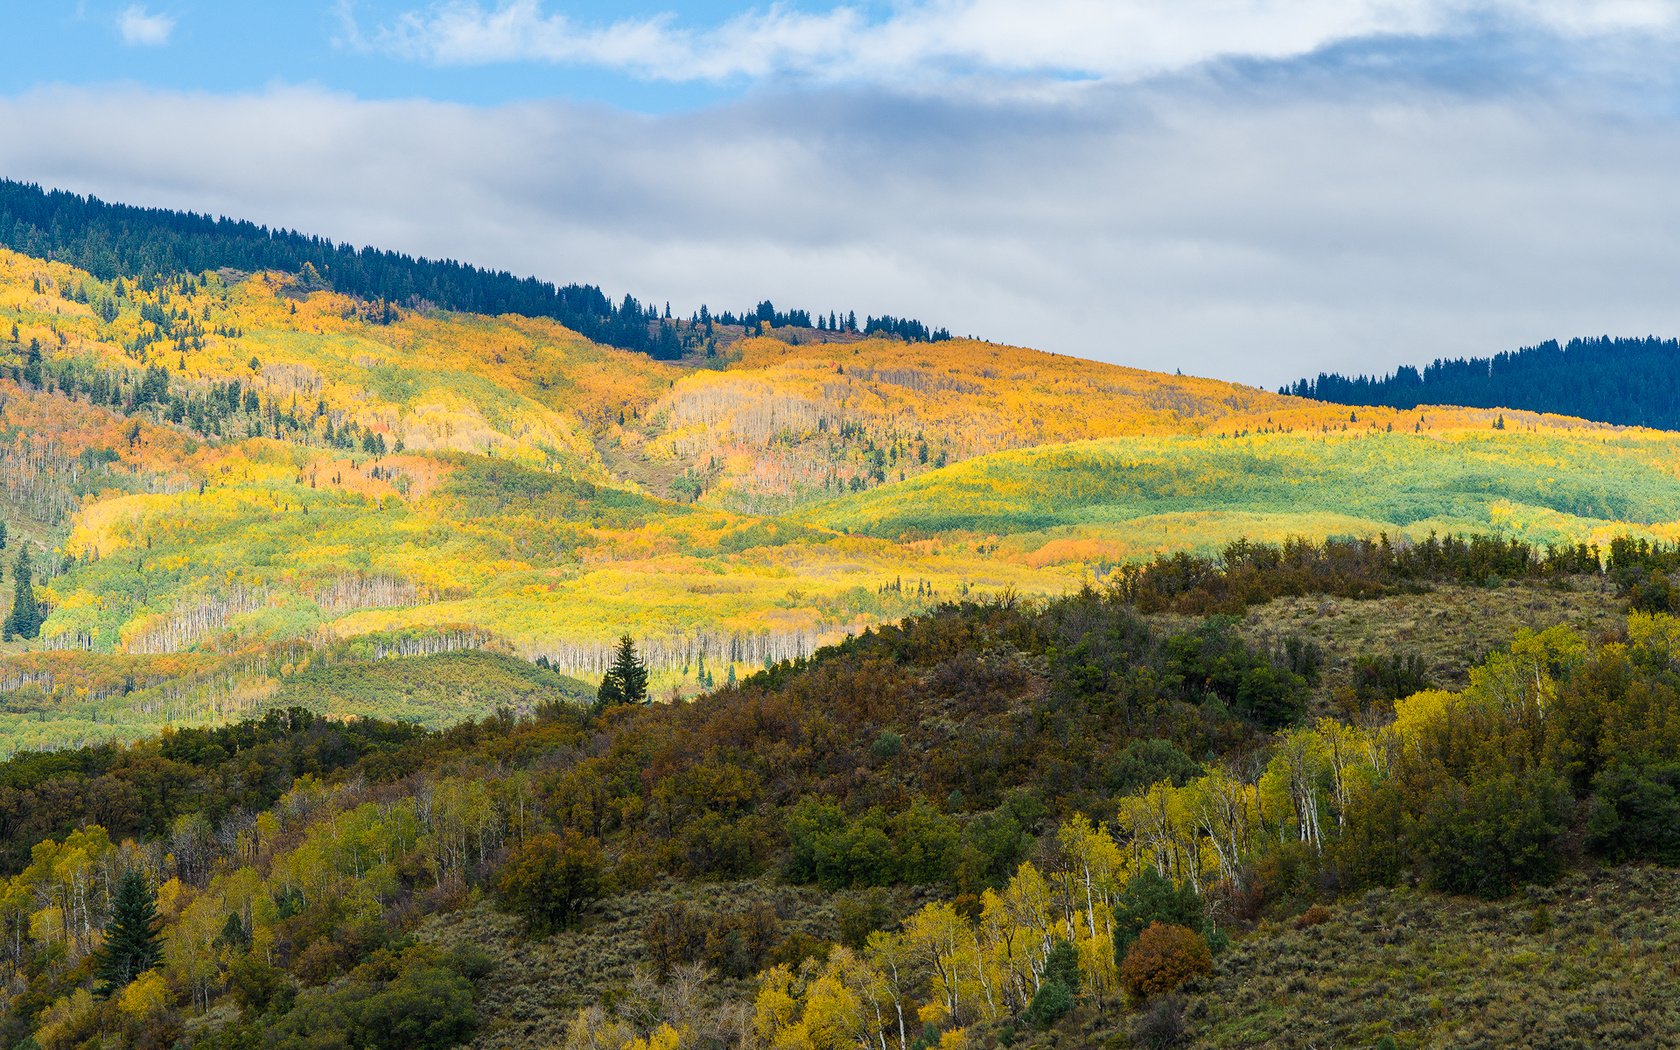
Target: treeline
x,y
114,240
1635,382
1647,573
906,328
1248,573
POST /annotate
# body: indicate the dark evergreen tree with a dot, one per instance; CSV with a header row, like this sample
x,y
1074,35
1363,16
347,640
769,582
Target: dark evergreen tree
x,y
1150,897
131,941
25,618
626,681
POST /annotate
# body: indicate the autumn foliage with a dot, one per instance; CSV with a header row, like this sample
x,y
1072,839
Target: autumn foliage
x,y
1163,958
550,879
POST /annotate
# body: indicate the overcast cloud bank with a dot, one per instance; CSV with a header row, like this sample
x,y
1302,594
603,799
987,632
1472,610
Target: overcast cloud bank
x,y
1357,205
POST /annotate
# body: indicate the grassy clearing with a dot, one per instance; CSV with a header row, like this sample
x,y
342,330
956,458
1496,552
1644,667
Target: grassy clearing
x,y
1589,962
1452,629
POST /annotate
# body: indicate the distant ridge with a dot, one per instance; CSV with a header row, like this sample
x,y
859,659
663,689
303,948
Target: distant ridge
x,y
1632,382
113,240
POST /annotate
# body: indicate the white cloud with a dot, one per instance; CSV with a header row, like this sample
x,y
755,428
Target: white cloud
x,y
140,28
1257,230
928,41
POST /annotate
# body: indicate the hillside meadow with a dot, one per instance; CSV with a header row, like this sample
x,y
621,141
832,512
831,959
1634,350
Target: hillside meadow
x,y
1140,495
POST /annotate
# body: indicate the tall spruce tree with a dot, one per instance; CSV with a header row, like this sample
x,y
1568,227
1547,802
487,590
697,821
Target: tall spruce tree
x,y
626,681
131,941
24,620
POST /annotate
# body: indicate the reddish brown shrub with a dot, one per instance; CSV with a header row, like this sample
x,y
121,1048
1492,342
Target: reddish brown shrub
x,y
1317,915
1162,958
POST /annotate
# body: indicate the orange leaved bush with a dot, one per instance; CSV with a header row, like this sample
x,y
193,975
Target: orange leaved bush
x,y
1164,957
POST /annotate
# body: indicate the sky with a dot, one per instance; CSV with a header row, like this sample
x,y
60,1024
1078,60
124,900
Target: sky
x,y
1250,189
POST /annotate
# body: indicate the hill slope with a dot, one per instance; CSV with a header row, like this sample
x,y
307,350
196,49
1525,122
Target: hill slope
x,y
224,477
938,821
1545,479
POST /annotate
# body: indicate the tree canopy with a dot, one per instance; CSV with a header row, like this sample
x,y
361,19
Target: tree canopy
x,y
1630,381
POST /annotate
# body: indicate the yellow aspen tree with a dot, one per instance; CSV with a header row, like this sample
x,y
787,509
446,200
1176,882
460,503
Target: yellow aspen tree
x,y
1163,833
938,939
591,1029
1099,864
662,1038
1224,809
1292,783
1028,903
1008,950
776,1010
1348,751
842,1004
890,956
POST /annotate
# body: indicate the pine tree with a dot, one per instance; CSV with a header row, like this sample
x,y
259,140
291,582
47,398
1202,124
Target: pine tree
x,y
25,618
131,941
626,681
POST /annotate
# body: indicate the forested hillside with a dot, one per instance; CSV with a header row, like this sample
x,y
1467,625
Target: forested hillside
x,y
1635,382
1000,823
224,485
119,240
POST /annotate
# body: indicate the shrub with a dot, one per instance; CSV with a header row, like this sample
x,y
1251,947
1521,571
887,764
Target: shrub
x,y
1049,1004
550,879
1163,958
861,914
1144,762
1161,1025
1389,676
672,936
1317,915
737,944
1149,898
424,1008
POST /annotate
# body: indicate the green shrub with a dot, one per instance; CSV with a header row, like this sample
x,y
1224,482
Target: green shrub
x,y
549,880
1150,898
1049,1004
861,914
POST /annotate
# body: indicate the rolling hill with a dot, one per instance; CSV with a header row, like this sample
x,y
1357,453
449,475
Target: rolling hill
x,y
302,747
228,478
